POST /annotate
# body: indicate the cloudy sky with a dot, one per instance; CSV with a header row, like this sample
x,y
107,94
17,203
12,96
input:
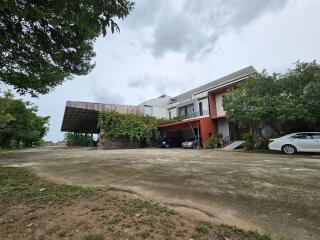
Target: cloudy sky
x,y
169,46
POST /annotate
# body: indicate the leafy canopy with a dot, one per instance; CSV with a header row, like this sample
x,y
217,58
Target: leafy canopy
x,y
42,43
19,123
287,102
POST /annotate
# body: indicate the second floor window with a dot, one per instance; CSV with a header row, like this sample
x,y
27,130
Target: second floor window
x,y
186,111
200,109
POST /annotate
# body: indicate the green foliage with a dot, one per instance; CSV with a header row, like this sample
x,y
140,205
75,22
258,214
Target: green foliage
x,y
18,186
215,140
249,141
69,139
287,103
19,123
151,207
78,139
130,126
204,230
94,237
44,42
232,232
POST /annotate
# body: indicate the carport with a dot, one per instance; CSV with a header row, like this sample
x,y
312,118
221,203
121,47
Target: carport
x,y
196,127
82,117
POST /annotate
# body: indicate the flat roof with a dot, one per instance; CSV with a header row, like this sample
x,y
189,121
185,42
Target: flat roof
x,y
242,73
82,117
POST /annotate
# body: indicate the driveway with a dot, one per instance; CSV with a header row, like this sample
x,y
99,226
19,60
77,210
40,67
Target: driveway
x,y
275,193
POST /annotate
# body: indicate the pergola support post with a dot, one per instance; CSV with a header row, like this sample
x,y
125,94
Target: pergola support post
x,y
91,139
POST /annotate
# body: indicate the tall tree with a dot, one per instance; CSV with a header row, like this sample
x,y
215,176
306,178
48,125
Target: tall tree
x,y
19,122
287,102
42,43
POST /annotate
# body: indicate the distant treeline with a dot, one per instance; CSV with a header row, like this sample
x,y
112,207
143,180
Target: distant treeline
x,y
20,126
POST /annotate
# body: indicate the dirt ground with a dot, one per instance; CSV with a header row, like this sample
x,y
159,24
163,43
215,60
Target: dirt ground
x,y
275,193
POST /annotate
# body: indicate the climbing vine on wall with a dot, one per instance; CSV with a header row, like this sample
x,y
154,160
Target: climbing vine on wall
x,y
134,127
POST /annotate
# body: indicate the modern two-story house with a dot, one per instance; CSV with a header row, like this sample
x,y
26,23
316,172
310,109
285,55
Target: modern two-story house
x,y
200,109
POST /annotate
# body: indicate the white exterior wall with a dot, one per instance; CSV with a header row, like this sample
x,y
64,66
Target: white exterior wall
x,y
174,104
157,112
160,112
200,95
147,110
173,112
220,110
156,107
205,106
223,128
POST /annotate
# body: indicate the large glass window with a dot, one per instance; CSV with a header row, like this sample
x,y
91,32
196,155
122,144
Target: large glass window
x,y
186,111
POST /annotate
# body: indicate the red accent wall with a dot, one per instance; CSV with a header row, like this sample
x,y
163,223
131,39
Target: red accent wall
x,y
206,126
207,129
212,99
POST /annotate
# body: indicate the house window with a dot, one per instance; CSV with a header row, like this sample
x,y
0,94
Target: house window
x,y
200,109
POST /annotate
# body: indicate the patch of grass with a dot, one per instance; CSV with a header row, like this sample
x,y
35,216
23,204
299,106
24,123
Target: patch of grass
x,y
180,232
146,233
237,233
167,223
205,230
4,151
115,219
151,207
203,227
94,237
146,219
9,150
170,238
202,231
19,186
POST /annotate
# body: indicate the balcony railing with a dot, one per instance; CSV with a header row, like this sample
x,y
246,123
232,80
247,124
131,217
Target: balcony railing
x,y
194,114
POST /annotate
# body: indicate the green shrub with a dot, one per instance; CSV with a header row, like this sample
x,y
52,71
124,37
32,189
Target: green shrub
x,y
261,143
78,139
215,140
249,141
130,126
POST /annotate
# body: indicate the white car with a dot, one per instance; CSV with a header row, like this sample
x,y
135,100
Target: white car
x,y
191,143
296,142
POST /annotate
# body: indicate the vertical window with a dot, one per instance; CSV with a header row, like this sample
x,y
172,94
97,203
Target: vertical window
x,y
200,108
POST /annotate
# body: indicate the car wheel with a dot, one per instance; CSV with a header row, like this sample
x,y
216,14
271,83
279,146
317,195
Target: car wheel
x,y
167,146
289,149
